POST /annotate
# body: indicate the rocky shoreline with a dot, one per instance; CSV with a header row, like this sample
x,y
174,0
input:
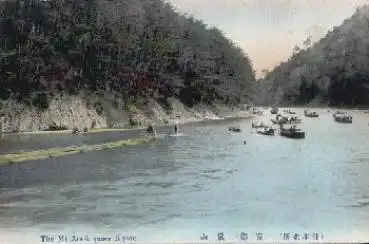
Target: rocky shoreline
x,y
69,112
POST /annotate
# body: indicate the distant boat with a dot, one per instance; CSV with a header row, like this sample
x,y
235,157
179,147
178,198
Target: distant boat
x,y
342,118
338,112
289,111
274,110
266,131
292,132
257,112
294,120
258,125
234,129
279,119
311,114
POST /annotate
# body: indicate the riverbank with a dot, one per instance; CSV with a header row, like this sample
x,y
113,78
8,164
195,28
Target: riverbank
x,y
205,115
97,114
120,138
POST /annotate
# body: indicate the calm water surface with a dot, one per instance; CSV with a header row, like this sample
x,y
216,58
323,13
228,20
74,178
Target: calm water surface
x,y
204,181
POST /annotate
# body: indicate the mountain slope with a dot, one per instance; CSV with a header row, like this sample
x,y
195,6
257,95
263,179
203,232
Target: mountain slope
x,y
129,48
334,71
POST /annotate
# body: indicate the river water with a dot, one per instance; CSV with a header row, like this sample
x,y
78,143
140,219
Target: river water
x,y
206,180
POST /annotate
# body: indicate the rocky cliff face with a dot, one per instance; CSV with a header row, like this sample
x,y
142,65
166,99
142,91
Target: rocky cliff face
x,y
68,112
64,112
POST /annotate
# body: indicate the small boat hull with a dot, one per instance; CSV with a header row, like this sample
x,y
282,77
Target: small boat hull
x,y
258,125
266,132
257,112
234,129
339,118
292,134
312,115
297,135
274,110
343,121
280,120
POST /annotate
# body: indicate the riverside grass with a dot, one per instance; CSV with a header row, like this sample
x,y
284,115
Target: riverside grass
x,y
22,156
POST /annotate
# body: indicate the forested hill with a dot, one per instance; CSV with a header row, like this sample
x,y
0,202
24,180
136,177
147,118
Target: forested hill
x,y
127,47
334,71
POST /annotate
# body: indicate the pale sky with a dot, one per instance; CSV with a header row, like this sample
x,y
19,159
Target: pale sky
x,y
268,30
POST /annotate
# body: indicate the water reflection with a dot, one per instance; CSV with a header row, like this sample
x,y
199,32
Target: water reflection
x,y
205,179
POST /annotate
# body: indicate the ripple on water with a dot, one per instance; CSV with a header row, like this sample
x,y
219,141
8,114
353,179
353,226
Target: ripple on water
x,y
208,177
361,205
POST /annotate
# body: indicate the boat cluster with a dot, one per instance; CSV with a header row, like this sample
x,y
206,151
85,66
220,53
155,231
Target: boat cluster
x,y
287,119
287,122
291,132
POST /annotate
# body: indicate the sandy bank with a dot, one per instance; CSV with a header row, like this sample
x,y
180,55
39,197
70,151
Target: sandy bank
x,y
22,156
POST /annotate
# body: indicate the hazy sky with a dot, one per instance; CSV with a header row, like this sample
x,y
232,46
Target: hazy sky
x,y
269,29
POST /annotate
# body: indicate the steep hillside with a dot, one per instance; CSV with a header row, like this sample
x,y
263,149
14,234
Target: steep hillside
x,y
334,71
129,49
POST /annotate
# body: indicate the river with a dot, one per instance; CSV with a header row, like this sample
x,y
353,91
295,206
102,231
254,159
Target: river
x,y
206,180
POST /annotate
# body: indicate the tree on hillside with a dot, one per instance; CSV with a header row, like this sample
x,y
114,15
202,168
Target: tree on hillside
x,y
334,70
307,42
296,50
125,45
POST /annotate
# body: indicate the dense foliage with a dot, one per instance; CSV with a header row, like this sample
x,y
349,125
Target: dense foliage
x,y
128,47
334,71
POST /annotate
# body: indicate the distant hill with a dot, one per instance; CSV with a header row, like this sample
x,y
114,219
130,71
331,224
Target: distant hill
x,y
127,47
334,71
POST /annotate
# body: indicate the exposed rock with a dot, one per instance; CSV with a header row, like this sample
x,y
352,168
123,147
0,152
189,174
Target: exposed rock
x,y
63,113
71,112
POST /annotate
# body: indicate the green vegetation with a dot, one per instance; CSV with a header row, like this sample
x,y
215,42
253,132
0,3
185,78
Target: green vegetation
x,y
333,71
126,48
58,152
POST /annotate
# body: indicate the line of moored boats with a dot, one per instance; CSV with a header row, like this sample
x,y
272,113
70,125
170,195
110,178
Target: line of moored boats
x,y
289,119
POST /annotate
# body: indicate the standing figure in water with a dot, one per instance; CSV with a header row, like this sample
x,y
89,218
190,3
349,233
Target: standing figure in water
x,y
175,128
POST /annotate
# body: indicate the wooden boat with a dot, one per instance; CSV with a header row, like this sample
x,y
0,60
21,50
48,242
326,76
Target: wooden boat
x,y
76,131
292,132
342,118
256,112
234,129
289,111
258,125
311,114
274,110
337,113
279,119
266,131
294,120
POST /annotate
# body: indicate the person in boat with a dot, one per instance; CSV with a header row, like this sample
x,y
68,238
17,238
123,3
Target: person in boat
x,y
150,130
76,130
